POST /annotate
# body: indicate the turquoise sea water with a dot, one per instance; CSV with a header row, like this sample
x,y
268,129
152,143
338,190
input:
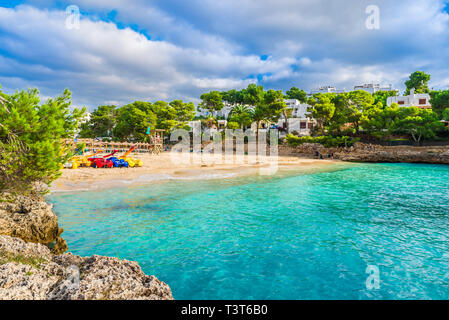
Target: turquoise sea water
x,y
293,236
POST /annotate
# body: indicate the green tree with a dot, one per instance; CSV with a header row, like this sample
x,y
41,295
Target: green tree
x,y
295,93
253,95
380,121
31,150
185,112
212,102
322,110
233,125
242,115
418,123
439,101
382,96
166,115
273,104
446,114
171,115
340,117
418,80
357,102
233,97
101,124
261,113
133,120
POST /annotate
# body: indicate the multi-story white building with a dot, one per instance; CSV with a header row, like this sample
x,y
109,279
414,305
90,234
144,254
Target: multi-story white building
x,y
420,100
299,109
298,121
369,87
326,89
374,87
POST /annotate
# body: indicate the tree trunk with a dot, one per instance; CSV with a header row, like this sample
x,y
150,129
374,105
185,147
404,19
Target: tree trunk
x,y
286,120
417,140
257,131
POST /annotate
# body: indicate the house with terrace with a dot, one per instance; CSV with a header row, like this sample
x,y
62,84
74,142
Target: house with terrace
x,y
298,120
420,100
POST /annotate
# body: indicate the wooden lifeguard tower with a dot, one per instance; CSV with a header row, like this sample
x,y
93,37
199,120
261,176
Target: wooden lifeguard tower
x,y
156,141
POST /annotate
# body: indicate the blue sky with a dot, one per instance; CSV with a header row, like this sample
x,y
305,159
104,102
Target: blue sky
x,y
170,49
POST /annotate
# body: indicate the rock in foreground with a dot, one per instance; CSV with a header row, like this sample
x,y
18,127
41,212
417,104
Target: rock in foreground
x,y
32,219
31,271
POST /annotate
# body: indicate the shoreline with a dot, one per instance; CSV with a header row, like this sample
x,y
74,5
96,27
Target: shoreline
x,y
159,169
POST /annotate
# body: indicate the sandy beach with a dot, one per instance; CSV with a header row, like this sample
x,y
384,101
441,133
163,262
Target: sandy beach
x,y
157,168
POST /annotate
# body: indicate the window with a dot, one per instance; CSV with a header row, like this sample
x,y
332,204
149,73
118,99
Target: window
x,y
401,102
422,101
303,125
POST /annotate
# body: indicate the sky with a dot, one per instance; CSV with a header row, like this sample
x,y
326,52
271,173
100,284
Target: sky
x,y
122,51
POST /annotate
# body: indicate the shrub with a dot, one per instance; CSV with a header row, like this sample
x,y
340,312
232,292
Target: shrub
x,y
233,125
31,150
326,141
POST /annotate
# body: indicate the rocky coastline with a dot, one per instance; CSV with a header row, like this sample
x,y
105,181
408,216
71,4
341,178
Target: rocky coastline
x,y
362,152
33,265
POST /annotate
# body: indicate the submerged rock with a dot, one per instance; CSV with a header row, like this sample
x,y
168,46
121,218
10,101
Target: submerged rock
x,y
32,219
32,271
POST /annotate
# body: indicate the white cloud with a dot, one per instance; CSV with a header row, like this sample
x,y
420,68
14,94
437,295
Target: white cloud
x,y
99,61
209,44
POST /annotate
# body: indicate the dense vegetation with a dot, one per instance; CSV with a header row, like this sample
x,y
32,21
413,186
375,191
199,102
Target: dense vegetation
x,y
354,114
31,131
30,138
131,121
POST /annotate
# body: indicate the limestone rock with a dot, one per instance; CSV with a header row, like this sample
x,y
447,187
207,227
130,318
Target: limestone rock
x,y
30,218
362,152
31,271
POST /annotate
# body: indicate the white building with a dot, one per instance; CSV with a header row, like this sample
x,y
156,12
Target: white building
x,y
299,121
299,109
420,100
222,113
194,125
374,87
326,89
225,111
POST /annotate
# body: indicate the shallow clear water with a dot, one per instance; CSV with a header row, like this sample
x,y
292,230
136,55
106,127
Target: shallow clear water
x,y
295,236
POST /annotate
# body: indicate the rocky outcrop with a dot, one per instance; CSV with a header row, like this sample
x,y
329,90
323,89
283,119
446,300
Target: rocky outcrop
x,y
32,265
374,153
32,271
305,149
30,218
362,152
